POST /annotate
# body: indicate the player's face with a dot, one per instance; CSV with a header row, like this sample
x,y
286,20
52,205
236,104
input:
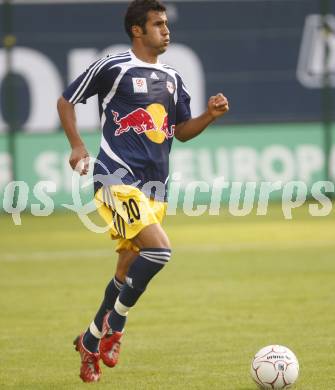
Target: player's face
x,y
157,35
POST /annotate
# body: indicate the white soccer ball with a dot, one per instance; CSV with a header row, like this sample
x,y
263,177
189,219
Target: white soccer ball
x,y
274,367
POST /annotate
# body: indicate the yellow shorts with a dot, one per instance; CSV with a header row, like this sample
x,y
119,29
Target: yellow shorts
x,y
127,211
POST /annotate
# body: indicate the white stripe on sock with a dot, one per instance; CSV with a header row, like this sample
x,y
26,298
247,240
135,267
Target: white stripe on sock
x,y
153,260
95,331
120,308
145,256
156,255
117,284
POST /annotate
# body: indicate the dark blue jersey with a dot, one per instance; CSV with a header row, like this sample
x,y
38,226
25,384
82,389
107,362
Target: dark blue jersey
x,y
140,104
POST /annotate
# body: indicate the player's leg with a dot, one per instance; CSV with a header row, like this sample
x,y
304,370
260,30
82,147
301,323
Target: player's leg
x,y
154,253
133,217
87,343
90,370
93,334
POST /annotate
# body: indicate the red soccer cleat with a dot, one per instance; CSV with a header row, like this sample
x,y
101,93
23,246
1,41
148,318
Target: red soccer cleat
x,y
89,370
109,344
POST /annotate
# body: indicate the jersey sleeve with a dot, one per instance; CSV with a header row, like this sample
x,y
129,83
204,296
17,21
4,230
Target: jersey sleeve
x,y
183,110
87,84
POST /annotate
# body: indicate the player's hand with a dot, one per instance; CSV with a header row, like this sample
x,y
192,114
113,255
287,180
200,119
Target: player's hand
x,y
218,105
79,160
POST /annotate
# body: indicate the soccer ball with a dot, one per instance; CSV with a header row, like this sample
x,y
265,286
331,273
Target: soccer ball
x,y
274,367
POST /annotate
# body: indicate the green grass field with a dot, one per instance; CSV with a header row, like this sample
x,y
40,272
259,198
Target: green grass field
x,y
233,286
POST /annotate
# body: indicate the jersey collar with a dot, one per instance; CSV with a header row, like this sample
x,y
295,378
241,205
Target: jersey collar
x,y
139,62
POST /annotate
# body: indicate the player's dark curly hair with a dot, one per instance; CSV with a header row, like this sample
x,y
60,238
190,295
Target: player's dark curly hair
x,y
137,13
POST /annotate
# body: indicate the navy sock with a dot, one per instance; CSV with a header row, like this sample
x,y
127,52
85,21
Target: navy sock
x,y
90,340
111,293
143,269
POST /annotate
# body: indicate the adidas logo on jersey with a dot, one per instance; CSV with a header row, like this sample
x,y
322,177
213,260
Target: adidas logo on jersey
x,y
154,76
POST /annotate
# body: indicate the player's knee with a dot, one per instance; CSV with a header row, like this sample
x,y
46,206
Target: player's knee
x,y
152,236
163,243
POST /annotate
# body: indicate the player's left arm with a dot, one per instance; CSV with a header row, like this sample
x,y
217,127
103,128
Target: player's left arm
x,y
217,106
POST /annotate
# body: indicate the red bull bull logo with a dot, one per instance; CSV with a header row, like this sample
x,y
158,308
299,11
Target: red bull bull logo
x,y
153,121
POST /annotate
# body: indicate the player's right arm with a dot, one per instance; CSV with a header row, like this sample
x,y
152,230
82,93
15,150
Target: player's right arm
x,y
85,86
98,78
67,116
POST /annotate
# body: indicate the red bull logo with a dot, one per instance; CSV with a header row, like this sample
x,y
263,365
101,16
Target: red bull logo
x,y
153,121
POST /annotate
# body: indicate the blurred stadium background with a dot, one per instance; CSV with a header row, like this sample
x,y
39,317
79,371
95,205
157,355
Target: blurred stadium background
x,y
273,279
275,60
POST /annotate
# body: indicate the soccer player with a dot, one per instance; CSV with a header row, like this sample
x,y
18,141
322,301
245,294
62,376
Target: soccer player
x,y
143,105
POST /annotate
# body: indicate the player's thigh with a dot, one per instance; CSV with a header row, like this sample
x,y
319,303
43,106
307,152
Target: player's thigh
x,y
152,236
126,210
133,217
125,259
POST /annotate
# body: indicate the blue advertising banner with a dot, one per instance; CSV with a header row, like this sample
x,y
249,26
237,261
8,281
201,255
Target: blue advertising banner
x,y
266,56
